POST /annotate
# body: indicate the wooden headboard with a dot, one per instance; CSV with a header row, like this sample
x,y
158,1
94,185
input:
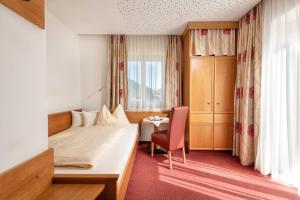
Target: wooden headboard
x,y
58,122
61,121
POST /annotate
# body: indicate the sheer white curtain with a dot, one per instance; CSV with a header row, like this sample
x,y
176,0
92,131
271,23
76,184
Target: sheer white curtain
x,y
146,72
279,140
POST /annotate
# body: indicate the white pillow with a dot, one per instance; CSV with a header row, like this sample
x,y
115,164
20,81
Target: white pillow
x,y
90,118
76,119
106,118
121,116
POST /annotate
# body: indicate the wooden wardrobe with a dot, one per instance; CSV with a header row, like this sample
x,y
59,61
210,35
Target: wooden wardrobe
x,y
208,89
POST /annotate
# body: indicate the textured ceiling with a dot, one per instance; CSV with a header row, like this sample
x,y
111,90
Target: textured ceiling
x,y
143,16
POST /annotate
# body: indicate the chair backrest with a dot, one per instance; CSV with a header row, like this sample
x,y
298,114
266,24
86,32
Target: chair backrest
x,y
176,128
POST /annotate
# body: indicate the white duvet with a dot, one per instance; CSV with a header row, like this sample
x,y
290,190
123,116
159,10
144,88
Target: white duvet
x,y
81,146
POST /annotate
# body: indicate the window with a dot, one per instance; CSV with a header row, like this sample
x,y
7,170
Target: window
x,y
146,72
149,93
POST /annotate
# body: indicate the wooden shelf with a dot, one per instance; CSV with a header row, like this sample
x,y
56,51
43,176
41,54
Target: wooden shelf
x,y
33,10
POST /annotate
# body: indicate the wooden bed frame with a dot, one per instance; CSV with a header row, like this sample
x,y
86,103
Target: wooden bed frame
x,y
115,185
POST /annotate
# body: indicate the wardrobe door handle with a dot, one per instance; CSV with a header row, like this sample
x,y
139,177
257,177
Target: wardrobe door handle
x,y
218,103
208,103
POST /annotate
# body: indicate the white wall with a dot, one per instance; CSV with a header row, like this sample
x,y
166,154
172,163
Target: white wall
x,y
93,67
63,61
23,119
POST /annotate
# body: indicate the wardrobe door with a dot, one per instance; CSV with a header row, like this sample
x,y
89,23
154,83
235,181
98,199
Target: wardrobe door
x,y
201,136
223,134
201,130
201,84
223,131
225,76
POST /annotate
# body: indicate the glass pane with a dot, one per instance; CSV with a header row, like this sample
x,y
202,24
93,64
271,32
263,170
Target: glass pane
x,y
153,87
134,84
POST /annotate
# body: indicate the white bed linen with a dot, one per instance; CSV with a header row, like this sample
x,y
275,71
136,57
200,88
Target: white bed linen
x,y
113,158
81,146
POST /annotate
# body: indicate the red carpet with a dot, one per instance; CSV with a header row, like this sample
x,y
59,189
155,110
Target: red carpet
x,y
206,175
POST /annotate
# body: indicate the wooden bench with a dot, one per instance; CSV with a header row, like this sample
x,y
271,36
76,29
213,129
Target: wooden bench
x,y
32,180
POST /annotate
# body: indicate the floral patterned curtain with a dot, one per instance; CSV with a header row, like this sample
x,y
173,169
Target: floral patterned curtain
x,y
173,93
117,86
218,42
247,95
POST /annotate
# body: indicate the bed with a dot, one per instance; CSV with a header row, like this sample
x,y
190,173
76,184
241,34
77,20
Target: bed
x,y
112,168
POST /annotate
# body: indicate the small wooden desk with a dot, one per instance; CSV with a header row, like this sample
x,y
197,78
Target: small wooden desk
x,y
32,180
72,192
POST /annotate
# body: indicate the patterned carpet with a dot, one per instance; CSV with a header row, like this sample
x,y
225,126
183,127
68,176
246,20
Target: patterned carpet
x,y
206,175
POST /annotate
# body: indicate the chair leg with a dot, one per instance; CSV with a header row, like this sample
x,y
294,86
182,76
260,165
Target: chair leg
x,y
152,149
170,160
183,152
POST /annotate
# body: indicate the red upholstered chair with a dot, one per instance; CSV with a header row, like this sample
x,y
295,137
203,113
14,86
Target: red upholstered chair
x,y
173,138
